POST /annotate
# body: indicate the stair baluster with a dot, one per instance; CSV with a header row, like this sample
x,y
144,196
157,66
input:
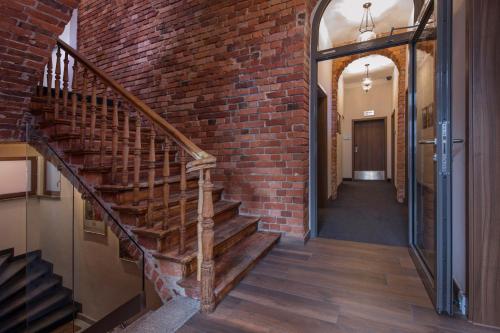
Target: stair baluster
x,y
207,265
182,202
74,99
137,159
65,85
104,121
57,84
83,125
151,175
93,108
49,81
126,147
199,259
40,86
166,185
114,142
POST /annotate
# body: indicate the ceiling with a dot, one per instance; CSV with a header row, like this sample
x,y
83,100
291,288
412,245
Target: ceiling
x,y
380,67
342,18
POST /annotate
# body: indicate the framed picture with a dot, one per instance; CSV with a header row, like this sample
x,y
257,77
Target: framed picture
x,y
339,123
92,220
18,176
51,180
123,252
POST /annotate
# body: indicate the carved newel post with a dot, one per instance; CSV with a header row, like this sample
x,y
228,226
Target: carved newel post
x,y
207,265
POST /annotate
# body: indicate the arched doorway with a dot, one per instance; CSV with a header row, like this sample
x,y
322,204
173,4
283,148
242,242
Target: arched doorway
x,y
323,50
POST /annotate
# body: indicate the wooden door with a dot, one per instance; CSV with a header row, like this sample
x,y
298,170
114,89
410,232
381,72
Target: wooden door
x,y
484,161
322,148
369,149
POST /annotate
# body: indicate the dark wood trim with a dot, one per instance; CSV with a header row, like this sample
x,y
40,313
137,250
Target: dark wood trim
x,y
483,56
362,47
45,190
34,177
385,140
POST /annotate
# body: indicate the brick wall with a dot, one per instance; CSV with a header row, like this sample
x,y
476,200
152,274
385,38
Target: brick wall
x,y
28,32
232,75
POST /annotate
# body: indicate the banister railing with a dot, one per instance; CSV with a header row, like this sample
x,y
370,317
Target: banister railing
x,y
125,136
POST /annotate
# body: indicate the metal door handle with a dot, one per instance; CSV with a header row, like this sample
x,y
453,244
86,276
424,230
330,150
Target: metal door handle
x,y
355,149
427,142
458,140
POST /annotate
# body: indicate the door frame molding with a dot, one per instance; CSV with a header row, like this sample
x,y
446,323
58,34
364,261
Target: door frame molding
x,y
359,120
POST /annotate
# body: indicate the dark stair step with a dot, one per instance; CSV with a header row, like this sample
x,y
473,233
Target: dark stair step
x,y
232,266
33,293
55,319
5,255
36,310
16,265
227,234
37,272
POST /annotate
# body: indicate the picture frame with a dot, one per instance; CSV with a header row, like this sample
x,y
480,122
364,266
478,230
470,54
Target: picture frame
x,y
339,123
123,252
25,170
425,117
51,180
430,115
92,220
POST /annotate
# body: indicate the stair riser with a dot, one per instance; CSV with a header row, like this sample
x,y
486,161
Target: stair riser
x,y
138,219
39,296
223,247
126,197
30,284
172,238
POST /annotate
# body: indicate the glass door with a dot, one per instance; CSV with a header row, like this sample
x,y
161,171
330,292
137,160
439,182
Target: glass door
x,y
430,158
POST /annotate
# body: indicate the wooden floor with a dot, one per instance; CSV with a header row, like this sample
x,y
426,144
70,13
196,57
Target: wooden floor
x,y
329,286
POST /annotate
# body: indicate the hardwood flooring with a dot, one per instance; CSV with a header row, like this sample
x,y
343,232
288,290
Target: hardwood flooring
x,y
329,286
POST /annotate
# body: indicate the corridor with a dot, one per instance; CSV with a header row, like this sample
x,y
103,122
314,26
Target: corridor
x,y
365,211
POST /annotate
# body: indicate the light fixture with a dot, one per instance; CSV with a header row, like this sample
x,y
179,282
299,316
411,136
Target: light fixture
x,y
367,26
367,82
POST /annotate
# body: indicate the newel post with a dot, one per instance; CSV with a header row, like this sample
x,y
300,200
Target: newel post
x,y
207,238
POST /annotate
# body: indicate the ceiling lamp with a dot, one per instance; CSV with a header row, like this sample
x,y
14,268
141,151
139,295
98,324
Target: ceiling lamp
x,y
367,25
367,82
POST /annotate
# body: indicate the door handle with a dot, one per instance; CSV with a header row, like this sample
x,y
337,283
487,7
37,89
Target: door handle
x,y
355,149
458,140
427,142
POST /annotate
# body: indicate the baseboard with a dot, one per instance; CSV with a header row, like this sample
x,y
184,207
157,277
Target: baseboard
x,y
347,179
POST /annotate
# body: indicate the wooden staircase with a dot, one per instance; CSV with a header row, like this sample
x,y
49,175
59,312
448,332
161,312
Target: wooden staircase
x,y
155,179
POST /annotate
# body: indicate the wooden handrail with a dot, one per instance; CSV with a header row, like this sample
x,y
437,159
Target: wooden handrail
x,y
202,159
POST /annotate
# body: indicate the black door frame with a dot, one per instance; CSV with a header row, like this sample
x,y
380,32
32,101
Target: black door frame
x,y
440,286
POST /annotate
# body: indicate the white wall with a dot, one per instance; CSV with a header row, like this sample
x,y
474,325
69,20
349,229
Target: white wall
x,y
458,131
379,98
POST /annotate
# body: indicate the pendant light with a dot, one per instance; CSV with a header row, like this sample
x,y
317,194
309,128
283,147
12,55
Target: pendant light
x,y
367,82
367,26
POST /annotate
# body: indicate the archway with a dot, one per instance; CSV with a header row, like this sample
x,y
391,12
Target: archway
x,y
398,55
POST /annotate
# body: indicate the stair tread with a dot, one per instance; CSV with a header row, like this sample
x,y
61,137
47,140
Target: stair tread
x,y
222,232
231,266
54,317
191,217
158,203
33,311
119,188
18,284
15,266
4,258
31,294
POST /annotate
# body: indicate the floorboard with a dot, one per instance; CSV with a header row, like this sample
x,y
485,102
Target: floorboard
x,y
330,286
